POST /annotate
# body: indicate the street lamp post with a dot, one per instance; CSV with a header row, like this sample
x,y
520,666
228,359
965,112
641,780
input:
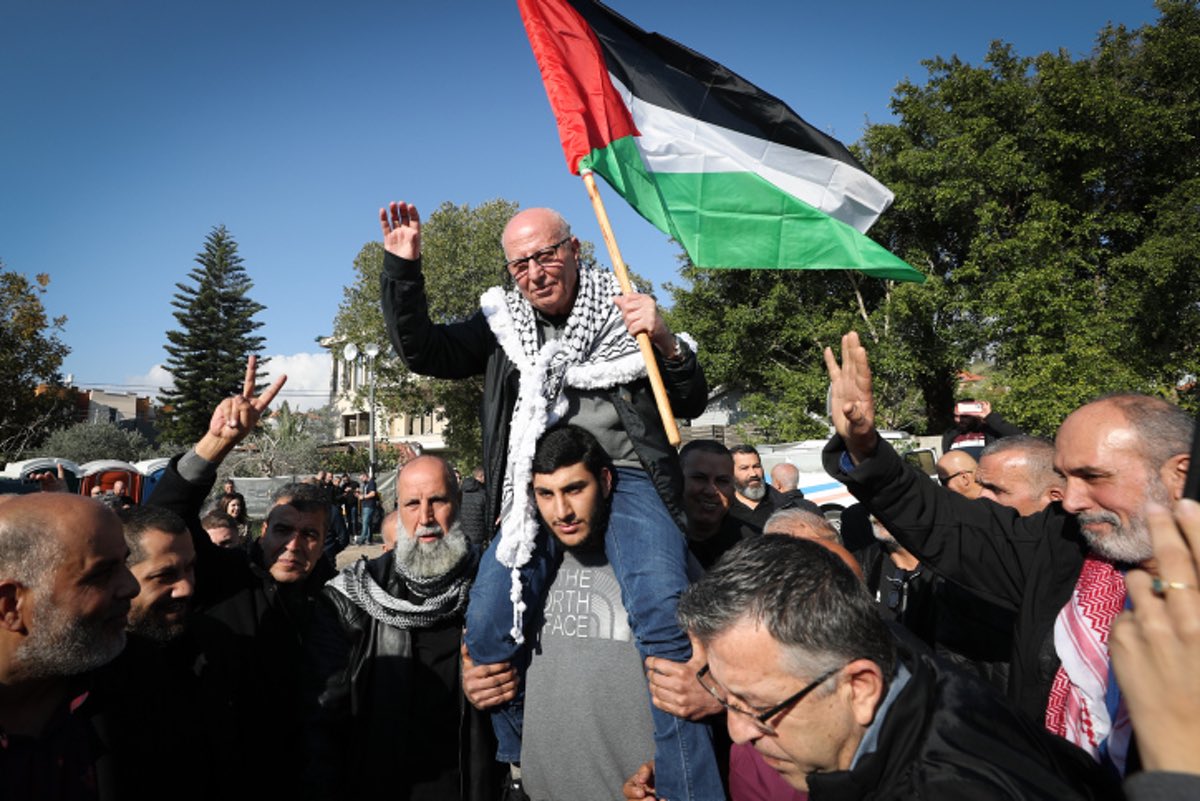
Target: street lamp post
x,y
369,351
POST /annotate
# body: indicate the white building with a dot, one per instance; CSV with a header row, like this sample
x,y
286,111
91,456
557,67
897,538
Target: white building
x,y
349,393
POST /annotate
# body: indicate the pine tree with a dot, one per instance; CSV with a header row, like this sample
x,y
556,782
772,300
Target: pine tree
x,y
207,354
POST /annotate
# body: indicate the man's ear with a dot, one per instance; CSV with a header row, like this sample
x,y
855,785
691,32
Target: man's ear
x,y
606,481
1174,474
1053,495
865,684
13,599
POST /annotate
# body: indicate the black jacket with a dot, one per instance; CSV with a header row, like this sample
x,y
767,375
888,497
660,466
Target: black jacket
x,y
461,350
1025,564
386,708
947,736
248,632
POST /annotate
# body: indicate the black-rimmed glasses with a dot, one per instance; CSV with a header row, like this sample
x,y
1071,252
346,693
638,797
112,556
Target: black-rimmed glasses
x,y
946,481
547,255
759,719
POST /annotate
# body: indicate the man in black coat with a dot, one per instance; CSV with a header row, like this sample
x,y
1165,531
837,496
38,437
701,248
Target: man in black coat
x,y
811,677
1060,570
252,611
386,714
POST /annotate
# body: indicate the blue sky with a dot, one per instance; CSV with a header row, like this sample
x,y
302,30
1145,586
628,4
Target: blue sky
x,y
132,127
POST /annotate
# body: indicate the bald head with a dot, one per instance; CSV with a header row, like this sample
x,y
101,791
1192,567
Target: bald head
x,y
34,529
388,529
543,259
956,471
1117,456
785,477
541,219
805,525
62,611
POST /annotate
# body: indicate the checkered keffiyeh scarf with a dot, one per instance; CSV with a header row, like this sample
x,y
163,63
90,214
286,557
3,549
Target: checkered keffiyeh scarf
x,y
595,351
1083,708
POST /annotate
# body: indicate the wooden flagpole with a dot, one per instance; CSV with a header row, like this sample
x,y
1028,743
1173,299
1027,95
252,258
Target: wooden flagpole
x,y
643,340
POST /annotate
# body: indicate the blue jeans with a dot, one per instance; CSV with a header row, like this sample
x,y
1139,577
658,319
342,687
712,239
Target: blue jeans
x,y
648,555
368,517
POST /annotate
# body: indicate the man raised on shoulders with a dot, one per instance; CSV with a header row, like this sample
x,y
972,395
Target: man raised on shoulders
x,y
559,347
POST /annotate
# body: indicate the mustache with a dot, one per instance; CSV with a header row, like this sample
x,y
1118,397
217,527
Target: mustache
x,y
1098,517
429,530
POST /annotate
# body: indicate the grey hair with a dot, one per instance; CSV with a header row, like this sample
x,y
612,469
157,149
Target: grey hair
x,y
29,551
786,521
806,598
1164,429
1039,458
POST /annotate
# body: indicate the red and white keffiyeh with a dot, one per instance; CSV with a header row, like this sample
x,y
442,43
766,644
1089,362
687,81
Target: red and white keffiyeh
x,y
1078,709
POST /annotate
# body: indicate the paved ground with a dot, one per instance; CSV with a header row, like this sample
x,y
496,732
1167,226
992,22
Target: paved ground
x,y
351,553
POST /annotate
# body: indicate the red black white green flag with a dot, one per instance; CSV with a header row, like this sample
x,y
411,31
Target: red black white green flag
x,y
728,170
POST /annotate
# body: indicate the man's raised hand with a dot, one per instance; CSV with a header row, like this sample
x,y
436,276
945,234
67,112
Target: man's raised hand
x,y
235,417
401,226
852,406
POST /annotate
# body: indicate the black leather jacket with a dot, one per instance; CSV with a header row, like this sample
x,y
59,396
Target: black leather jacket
x,y
377,694
460,350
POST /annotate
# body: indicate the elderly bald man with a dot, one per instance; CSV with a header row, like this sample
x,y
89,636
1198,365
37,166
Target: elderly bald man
x,y
559,344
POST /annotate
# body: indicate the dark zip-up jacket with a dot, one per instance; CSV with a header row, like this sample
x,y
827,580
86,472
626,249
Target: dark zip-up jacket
x,y
373,693
948,736
1025,564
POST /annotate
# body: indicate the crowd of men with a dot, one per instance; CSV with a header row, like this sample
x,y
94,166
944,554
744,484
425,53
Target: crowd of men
x,y
593,613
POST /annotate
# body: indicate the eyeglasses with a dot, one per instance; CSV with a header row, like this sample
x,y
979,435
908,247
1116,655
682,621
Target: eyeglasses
x,y
759,719
946,481
547,255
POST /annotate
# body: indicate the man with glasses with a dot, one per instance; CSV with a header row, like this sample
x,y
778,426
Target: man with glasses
x,y
956,472
559,347
813,679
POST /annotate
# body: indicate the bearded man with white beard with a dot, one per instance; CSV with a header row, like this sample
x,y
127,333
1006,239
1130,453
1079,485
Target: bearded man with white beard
x,y
386,711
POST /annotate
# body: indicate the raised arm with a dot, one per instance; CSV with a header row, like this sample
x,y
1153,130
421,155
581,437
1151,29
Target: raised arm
x,y
456,350
853,403
189,478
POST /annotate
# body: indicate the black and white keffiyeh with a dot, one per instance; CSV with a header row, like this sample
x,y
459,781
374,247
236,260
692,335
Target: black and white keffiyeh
x,y
595,351
440,598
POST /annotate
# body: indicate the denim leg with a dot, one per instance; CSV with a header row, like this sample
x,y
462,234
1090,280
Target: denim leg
x,y
368,517
648,554
489,624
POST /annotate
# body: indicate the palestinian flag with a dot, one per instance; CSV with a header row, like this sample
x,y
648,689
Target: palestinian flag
x,y
729,171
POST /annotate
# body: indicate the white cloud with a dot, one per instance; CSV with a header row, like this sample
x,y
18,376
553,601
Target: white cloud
x,y
149,382
307,385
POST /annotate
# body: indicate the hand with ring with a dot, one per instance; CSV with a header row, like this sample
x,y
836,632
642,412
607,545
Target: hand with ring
x,y
1155,646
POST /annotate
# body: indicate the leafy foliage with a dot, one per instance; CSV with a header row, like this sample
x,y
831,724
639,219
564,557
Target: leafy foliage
x,y
30,355
461,257
85,442
207,353
1052,203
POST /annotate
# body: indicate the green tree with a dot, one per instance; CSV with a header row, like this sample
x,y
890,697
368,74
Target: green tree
x,y
85,442
207,353
30,356
1052,203
462,257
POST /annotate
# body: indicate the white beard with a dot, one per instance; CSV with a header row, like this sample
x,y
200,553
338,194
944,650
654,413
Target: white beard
x,y
434,559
